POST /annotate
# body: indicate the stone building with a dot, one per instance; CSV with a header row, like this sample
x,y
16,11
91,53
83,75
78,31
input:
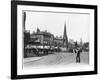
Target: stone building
x,y
44,37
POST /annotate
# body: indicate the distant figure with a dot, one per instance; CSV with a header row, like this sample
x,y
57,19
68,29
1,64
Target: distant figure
x,y
78,55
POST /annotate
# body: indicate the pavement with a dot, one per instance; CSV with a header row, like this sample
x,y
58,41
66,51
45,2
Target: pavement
x,y
56,59
26,60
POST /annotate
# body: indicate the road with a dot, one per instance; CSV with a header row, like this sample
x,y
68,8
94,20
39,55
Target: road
x,y
58,59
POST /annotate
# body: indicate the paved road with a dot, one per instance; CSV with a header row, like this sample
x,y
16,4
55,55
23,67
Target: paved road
x,y
58,59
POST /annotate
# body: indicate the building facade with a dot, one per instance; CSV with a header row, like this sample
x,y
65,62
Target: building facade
x,y
44,37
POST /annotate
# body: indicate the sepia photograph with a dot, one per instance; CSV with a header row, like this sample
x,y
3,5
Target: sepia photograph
x,y
53,39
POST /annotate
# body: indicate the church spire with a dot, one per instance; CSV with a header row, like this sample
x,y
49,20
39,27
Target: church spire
x,y
65,38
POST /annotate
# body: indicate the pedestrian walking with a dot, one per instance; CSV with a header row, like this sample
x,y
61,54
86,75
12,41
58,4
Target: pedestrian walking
x,y
78,56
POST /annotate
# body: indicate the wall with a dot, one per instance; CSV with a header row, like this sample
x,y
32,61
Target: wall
x,y
5,41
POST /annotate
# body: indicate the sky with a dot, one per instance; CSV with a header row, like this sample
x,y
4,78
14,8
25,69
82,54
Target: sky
x,y
77,24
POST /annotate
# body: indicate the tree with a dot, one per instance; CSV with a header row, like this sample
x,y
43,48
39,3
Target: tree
x,y
76,44
86,46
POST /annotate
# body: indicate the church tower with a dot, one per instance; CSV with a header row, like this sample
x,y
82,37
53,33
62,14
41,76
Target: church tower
x,y
65,38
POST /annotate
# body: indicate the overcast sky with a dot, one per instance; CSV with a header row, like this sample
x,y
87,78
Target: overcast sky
x,y
77,25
